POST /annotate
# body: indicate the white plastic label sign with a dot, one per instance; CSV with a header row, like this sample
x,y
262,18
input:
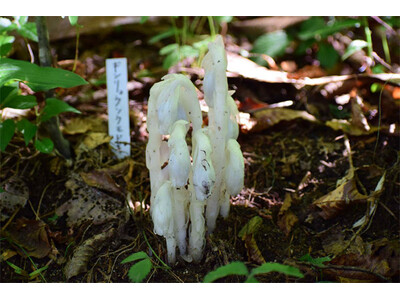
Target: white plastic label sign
x,y
118,107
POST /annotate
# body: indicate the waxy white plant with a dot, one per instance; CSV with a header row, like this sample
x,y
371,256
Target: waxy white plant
x,y
184,183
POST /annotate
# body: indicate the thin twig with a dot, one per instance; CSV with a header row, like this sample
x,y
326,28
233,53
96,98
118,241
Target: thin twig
x,y
10,219
344,268
384,24
40,200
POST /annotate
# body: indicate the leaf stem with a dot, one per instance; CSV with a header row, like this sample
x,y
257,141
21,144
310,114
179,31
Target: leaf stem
x,y
148,244
211,24
368,36
76,48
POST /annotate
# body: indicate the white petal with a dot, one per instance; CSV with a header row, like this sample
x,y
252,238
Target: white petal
x,y
179,158
203,170
162,211
234,170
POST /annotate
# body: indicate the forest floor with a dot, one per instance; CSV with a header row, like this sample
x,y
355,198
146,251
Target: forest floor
x,y
323,200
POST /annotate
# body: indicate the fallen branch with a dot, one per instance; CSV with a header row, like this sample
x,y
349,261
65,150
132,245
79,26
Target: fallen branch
x,y
344,268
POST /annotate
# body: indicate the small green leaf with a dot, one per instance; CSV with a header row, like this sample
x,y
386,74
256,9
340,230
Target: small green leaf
x,y
327,55
6,39
140,270
315,27
251,279
28,130
276,267
7,129
28,30
188,51
171,60
378,69
7,91
53,218
353,47
38,78
21,20
54,107
163,35
203,44
233,268
17,269
376,87
272,44
319,261
37,272
223,19
6,25
143,19
5,49
1,190
20,101
309,27
6,43
73,21
45,146
168,49
135,256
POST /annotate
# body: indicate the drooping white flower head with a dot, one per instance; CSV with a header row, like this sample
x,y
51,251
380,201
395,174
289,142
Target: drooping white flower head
x,y
234,168
162,212
214,64
179,157
203,170
233,126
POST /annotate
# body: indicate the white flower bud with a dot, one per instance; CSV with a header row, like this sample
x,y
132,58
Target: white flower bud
x,y
203,170
234,168
179,158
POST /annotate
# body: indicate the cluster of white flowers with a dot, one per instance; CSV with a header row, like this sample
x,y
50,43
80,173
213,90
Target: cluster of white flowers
x,y
182,187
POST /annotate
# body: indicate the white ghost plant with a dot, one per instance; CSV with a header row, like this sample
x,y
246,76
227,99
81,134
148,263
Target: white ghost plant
x,y
184,184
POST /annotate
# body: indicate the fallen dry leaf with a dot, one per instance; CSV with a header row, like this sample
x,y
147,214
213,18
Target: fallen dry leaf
x,y
265,118
247,235
310,71
7,254
91,141
286,218
119,168
15,195
88,203
84,252
357,116
30,235
381,257
101,180
82,125
349,128
346,193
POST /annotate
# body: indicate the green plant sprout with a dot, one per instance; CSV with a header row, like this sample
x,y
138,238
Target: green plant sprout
x,y
74,22
188,41
139,270
239,268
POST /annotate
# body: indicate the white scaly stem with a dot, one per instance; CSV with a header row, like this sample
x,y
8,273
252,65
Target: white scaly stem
x,y
216,93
